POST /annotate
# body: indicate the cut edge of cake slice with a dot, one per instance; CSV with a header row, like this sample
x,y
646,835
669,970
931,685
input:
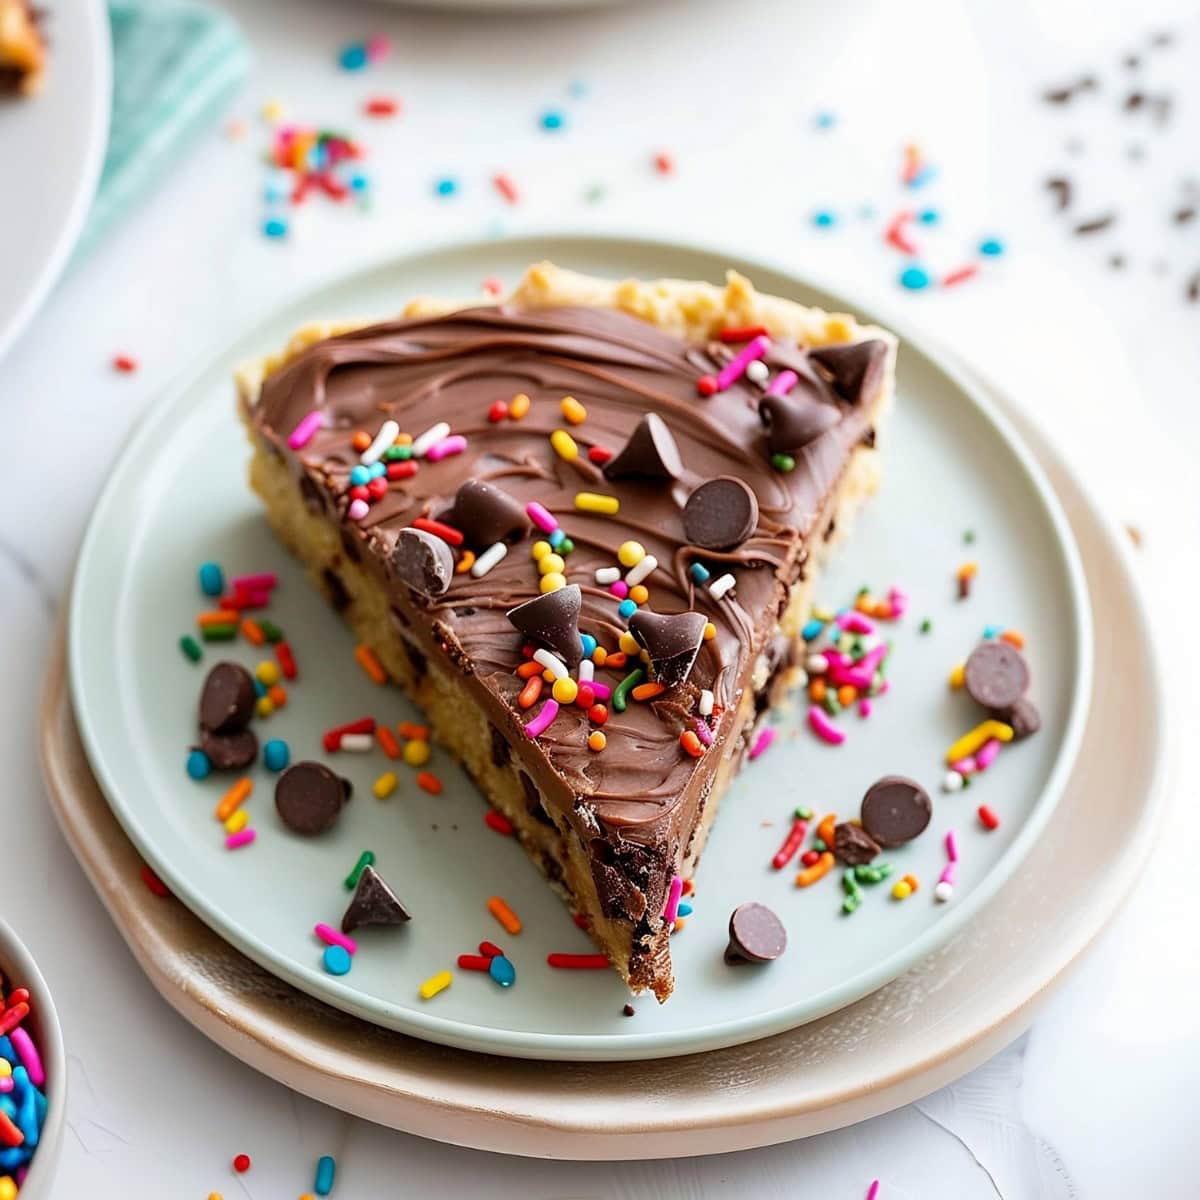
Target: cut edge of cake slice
x,y
558,842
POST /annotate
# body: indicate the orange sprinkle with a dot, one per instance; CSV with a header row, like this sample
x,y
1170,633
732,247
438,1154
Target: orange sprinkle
x,y
518,406
548,675
229,802
505,915
647,691
369,661
410,730
278,695
825,829
816,690
252,632
680,922
387,741
403,439
465,563
688,887
882,610
968,570
911,880
864,604
614,662
530,692
818,870
360,441
847,694
527,670
691,743
219,616
597,740
710,631
599,656
1013,638
429,782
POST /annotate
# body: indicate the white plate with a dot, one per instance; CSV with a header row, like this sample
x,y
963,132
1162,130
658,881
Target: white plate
x,y
178,498
53,147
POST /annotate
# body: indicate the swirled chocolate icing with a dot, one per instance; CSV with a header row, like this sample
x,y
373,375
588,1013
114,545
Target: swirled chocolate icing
x,y
452,368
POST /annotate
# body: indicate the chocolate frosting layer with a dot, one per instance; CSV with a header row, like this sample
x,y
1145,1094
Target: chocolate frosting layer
x,y
453,368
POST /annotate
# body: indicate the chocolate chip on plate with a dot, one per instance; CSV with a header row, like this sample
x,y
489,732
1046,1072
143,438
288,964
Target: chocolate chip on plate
x,y
996,675
1022,716
720,514
895,810
422,561
552,620
671,639
373,903
650,453
756,935
309,797
227,698
229,751
853,845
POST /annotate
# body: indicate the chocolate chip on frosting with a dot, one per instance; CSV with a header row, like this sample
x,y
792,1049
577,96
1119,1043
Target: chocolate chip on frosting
x,y
855,371
486,515
650,453
373,903
895,810
996,674
552,620
756,935
227,698
794,421
672,640
720,514
423,562
309,797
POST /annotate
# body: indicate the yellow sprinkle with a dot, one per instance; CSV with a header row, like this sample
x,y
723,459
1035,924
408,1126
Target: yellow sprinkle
x,y
628,643
710,631
629,554
901,890
272,111
416,753
5,1068
839,328
597,740
968,570
552,582
238,821
639,594
983,732
386,784
264,706
564,445
465,563
599,655
434,984
518,406
573,411
821,614
957,676
548,564
565,690
596,503
267,673
539,550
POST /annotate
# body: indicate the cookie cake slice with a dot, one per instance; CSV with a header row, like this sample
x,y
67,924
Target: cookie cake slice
x,y
580,528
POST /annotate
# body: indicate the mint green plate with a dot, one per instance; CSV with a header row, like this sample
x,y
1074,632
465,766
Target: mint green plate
x,y
178,497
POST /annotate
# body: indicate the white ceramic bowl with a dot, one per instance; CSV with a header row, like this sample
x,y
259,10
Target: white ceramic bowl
x,y
21,971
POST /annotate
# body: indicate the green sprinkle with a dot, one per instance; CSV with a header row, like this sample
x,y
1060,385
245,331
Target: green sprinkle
x,y
595,193
219,633
873,872
849,883
191,647
783,462
271,631
881,670
926,625
803,814
365,859
565,547
818,844
621,692
969,536
397,454
830,703
851,903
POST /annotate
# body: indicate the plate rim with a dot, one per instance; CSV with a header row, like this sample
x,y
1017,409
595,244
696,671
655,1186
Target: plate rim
x,y
596,1047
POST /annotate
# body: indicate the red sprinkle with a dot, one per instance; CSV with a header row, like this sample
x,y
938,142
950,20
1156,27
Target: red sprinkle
x,y
599,454
387,741
12,1017
895,236
493,286
745,334
474,962
706,385
792,843
498,821
664,164
987,818
287,660
405,469
332,186
381,106
10,1135
428,782
598,714
961,275
505,186
498,411
124,363
810,858
377,487
578,962
446,532
332,738
359,492
241,1164
581,921
491,950
153,882
585,697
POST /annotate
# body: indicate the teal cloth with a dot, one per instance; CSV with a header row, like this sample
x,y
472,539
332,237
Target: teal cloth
x,y
175,65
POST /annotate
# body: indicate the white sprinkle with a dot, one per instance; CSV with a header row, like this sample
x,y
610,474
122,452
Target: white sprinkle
x,y
551,661
430,437
641,570
706,703
719,587
358,743
587,671
801,678
869,641
607,575
488,559
952,781
943,891
383,439
758,371
817,664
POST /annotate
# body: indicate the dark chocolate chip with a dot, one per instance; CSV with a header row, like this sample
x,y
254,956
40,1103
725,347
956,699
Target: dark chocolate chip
x,y
227,698
552,619
373,903
853,845
720,514
309,797
650,453
628,1010
756,935
422,561
996,675
671,639
794,421
1023,716
855,371
229,751
486,515
895,810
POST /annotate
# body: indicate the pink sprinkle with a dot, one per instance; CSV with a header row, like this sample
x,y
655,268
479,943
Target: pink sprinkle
x,y
620,589
493,286
600,690
823,727
28,1054
540,517
862,672
358,509
702,732
986,754
762,743
782,383
835,658
873,1190
855,622
884,686
378,46
673,895
947,875
255,583
541,722
335,937
964,766
7,1084
865,707
733,370
235,841
252,600
951,846
446,448
303,433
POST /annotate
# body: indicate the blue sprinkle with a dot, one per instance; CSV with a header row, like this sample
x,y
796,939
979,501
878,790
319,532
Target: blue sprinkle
x,y
212,579
553,120
358,183
260,688
8,1106
376,469
275,227
992,247
446,186
577,88
914,278
353,57
336,960
360,476
824,219
685,909
992,631
557,537
589,644
812,630
323,1182
626,609
925,175
16,1156
276,754
825,120
198,765
502,971
929,216
867,212
700,573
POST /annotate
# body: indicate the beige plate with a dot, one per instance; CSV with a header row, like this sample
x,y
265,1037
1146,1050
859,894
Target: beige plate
x,y
931,1025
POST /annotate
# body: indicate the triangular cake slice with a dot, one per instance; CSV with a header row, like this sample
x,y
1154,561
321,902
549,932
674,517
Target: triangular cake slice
x,y
523,444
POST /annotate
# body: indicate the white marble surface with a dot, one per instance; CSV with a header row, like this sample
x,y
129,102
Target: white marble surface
x,y
1095,1101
